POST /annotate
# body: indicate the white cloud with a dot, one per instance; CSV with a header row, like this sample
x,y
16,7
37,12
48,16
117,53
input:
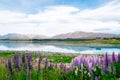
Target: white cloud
x,y
62,19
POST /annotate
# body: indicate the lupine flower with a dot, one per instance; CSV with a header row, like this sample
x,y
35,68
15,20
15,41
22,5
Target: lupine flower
x,y
64,69
105,69
46,62
99,61
71,66
61,65
90,67
96,78
23,58
39,62
75,61
29,62
86,60
106,60
24,63
96,61
52,65
55,65
119,57
16,59
113,57
92,59
83,59
79,59
10,66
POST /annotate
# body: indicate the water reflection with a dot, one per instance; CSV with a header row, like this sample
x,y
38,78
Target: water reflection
x,y
51,48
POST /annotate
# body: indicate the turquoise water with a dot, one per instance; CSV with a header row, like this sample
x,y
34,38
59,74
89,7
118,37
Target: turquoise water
x,y
51,48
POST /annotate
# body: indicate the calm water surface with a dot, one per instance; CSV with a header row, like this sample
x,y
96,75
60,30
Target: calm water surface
x,y
51,48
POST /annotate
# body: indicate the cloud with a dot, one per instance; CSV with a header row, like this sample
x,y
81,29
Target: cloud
x,y
62,19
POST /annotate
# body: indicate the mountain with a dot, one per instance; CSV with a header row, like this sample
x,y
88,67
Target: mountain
x,y
21,36
84,35
33,36
74,35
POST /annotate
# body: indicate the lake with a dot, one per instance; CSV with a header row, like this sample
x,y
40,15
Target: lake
x,y
23,46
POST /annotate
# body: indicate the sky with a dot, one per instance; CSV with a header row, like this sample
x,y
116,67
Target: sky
x,y
51,17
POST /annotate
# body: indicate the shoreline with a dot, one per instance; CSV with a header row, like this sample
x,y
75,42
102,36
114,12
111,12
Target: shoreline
x,y
48,53
89,45
62,43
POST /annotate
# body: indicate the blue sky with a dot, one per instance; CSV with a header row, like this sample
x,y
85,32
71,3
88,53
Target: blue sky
x,y
50,17
33,6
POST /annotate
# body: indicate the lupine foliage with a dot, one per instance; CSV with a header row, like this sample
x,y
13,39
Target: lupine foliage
x,y
105,67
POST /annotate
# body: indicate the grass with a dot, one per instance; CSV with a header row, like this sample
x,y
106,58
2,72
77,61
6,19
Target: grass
x,y
84,72
60,58
3,72
55,58
56,73
4,56
102,41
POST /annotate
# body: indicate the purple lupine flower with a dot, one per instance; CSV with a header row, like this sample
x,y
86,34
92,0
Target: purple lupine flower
x,y
56,65
105,69
92,60
10,66
96,78
29,62
87,61
46,63
39,62
79,58
100,61
52,65
24,63
83,59
113,57
16,59
75,61
23,58
61,65
90,67
119,57
106,60
64,69
71,66
96,61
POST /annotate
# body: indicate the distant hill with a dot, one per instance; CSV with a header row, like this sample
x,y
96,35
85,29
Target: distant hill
x,y
21,36
85,35
72,35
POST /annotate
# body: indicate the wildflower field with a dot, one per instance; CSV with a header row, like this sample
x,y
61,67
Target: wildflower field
x,y
29,66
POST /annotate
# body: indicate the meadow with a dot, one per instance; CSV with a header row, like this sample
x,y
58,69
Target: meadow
x,y
47,66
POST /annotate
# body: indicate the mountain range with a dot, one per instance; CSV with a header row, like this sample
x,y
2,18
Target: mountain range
x,y
85,35
22,36
73,35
